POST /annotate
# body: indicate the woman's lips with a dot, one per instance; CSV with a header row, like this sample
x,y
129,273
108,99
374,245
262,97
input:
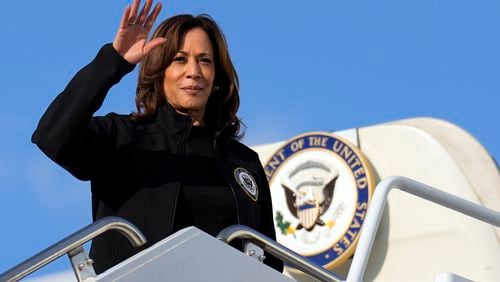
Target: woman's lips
x,y
192,89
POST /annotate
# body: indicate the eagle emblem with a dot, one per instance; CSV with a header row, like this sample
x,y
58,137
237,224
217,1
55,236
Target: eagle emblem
x,y
321,186
309,192
247,182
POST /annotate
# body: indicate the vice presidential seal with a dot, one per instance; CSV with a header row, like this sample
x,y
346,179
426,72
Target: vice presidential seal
x,y
247,182
321,186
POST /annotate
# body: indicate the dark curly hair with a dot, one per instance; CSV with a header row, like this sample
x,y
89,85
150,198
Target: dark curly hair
x,y
222,104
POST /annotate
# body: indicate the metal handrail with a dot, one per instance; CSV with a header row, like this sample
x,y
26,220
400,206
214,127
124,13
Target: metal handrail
x,y
379,200
279,251
73,241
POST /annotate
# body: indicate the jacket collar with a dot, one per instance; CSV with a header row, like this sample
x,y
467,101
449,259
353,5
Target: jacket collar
x,y
171,121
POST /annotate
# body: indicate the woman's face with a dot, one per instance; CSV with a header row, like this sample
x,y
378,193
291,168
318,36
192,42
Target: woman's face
x,y
188,80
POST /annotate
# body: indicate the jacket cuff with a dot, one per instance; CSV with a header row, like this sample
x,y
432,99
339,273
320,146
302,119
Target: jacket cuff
x,y
109,59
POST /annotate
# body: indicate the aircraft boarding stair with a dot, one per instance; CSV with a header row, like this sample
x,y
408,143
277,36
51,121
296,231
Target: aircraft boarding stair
x,y
192,255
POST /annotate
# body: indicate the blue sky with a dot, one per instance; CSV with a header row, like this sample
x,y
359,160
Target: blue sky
x,y
303,66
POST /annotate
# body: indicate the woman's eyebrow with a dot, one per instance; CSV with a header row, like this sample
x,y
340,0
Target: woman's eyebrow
x,y
198,55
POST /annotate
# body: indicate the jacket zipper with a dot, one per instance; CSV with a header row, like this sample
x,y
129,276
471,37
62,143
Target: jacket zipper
x,y
181,152
217,134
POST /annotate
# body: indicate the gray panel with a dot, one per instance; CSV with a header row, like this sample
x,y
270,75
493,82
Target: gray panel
x,y
191,255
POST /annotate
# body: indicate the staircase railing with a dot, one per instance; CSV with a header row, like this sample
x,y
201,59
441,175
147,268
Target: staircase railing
x,y
279,251
379,200
72,245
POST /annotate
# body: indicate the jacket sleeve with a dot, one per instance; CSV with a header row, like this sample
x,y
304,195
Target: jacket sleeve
x,y
67,133
266,219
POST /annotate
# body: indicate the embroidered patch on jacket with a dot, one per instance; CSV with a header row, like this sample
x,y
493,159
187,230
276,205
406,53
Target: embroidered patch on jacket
x,y
247,182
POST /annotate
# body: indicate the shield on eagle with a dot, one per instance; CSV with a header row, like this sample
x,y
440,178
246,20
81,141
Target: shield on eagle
x,y
308,213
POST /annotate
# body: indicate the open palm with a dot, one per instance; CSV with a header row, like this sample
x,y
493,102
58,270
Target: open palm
x,y
131,38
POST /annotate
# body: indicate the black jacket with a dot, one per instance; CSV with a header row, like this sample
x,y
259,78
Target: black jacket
x,y
135,166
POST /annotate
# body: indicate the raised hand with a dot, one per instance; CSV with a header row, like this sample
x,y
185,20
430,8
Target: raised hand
x,y
131,38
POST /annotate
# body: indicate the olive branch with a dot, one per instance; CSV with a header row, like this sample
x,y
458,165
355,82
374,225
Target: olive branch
x,y
284,226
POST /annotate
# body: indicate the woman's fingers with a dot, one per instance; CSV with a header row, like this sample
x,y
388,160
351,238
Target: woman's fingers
x,y
152,17
153,44
125,17
144,12
130,41
133,13
143,18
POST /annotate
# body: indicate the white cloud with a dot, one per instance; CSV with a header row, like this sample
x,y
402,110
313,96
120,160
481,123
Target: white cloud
x,y
54,188
63,276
